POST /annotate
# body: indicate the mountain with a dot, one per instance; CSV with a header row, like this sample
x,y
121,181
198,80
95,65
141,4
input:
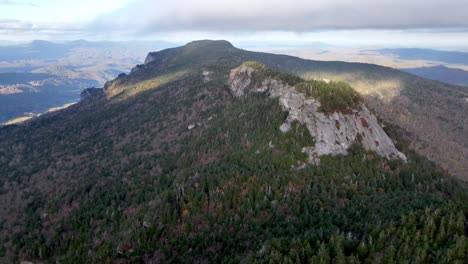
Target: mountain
x,y
13,78
45,50
82,57
442,73
99,75
431,113
453,57
60,71
29,94
37,49
205,155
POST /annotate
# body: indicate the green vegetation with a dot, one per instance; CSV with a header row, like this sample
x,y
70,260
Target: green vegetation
x,y
262,72
54,109
333,96
126,181
22,119
18,120
155,82
131,90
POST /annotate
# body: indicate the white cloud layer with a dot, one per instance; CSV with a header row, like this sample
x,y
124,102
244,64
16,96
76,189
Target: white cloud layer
x,y
289,15
16,3
340,22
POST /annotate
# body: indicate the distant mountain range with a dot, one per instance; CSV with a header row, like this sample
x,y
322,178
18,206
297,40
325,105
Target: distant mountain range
x,y
453,57
26,94
40,75
442,73
45,50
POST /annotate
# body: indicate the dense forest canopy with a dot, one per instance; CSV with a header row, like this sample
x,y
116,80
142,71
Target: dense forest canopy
x,y
183,172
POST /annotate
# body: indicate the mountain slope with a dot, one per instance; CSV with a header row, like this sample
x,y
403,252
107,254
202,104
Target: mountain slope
x,y
171,167
431,113
332,112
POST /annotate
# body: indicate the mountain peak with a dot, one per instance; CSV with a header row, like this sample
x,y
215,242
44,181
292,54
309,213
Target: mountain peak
x,y
209,43
200,50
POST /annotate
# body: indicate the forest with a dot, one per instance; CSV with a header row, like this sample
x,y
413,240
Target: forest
x,y
125,180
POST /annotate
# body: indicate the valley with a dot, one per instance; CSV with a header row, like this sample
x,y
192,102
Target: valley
x,y
40,75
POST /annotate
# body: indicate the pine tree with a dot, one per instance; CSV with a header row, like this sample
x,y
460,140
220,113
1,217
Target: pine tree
x,y
460,223
380,244
323,256
353,260
362,249
307,251
336,244
389,257
340,257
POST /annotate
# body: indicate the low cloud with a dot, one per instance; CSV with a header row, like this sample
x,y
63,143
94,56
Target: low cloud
x,y
149,16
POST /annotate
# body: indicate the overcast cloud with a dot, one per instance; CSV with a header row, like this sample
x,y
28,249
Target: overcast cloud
x,y
17,3
342,22
286,15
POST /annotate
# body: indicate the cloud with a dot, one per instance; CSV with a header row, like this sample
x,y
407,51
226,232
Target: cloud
x,y
16,3
18,26
281,15
340,22
13,24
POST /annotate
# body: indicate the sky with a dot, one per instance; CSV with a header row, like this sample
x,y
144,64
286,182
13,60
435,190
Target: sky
x,y
389,23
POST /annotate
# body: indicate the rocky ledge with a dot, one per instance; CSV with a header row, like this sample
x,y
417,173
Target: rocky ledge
x,y
334,133
91,94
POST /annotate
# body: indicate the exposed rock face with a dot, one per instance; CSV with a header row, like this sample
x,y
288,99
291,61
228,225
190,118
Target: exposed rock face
x,y
207,76
91,94
151,57
333,133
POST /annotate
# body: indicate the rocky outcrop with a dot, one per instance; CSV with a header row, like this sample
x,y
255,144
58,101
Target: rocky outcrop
x,y
91,94
334,133
207,76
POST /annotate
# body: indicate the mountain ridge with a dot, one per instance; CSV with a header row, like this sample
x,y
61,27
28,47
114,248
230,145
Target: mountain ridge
x,y
170,166
442,73
415,104
335,130
455,57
